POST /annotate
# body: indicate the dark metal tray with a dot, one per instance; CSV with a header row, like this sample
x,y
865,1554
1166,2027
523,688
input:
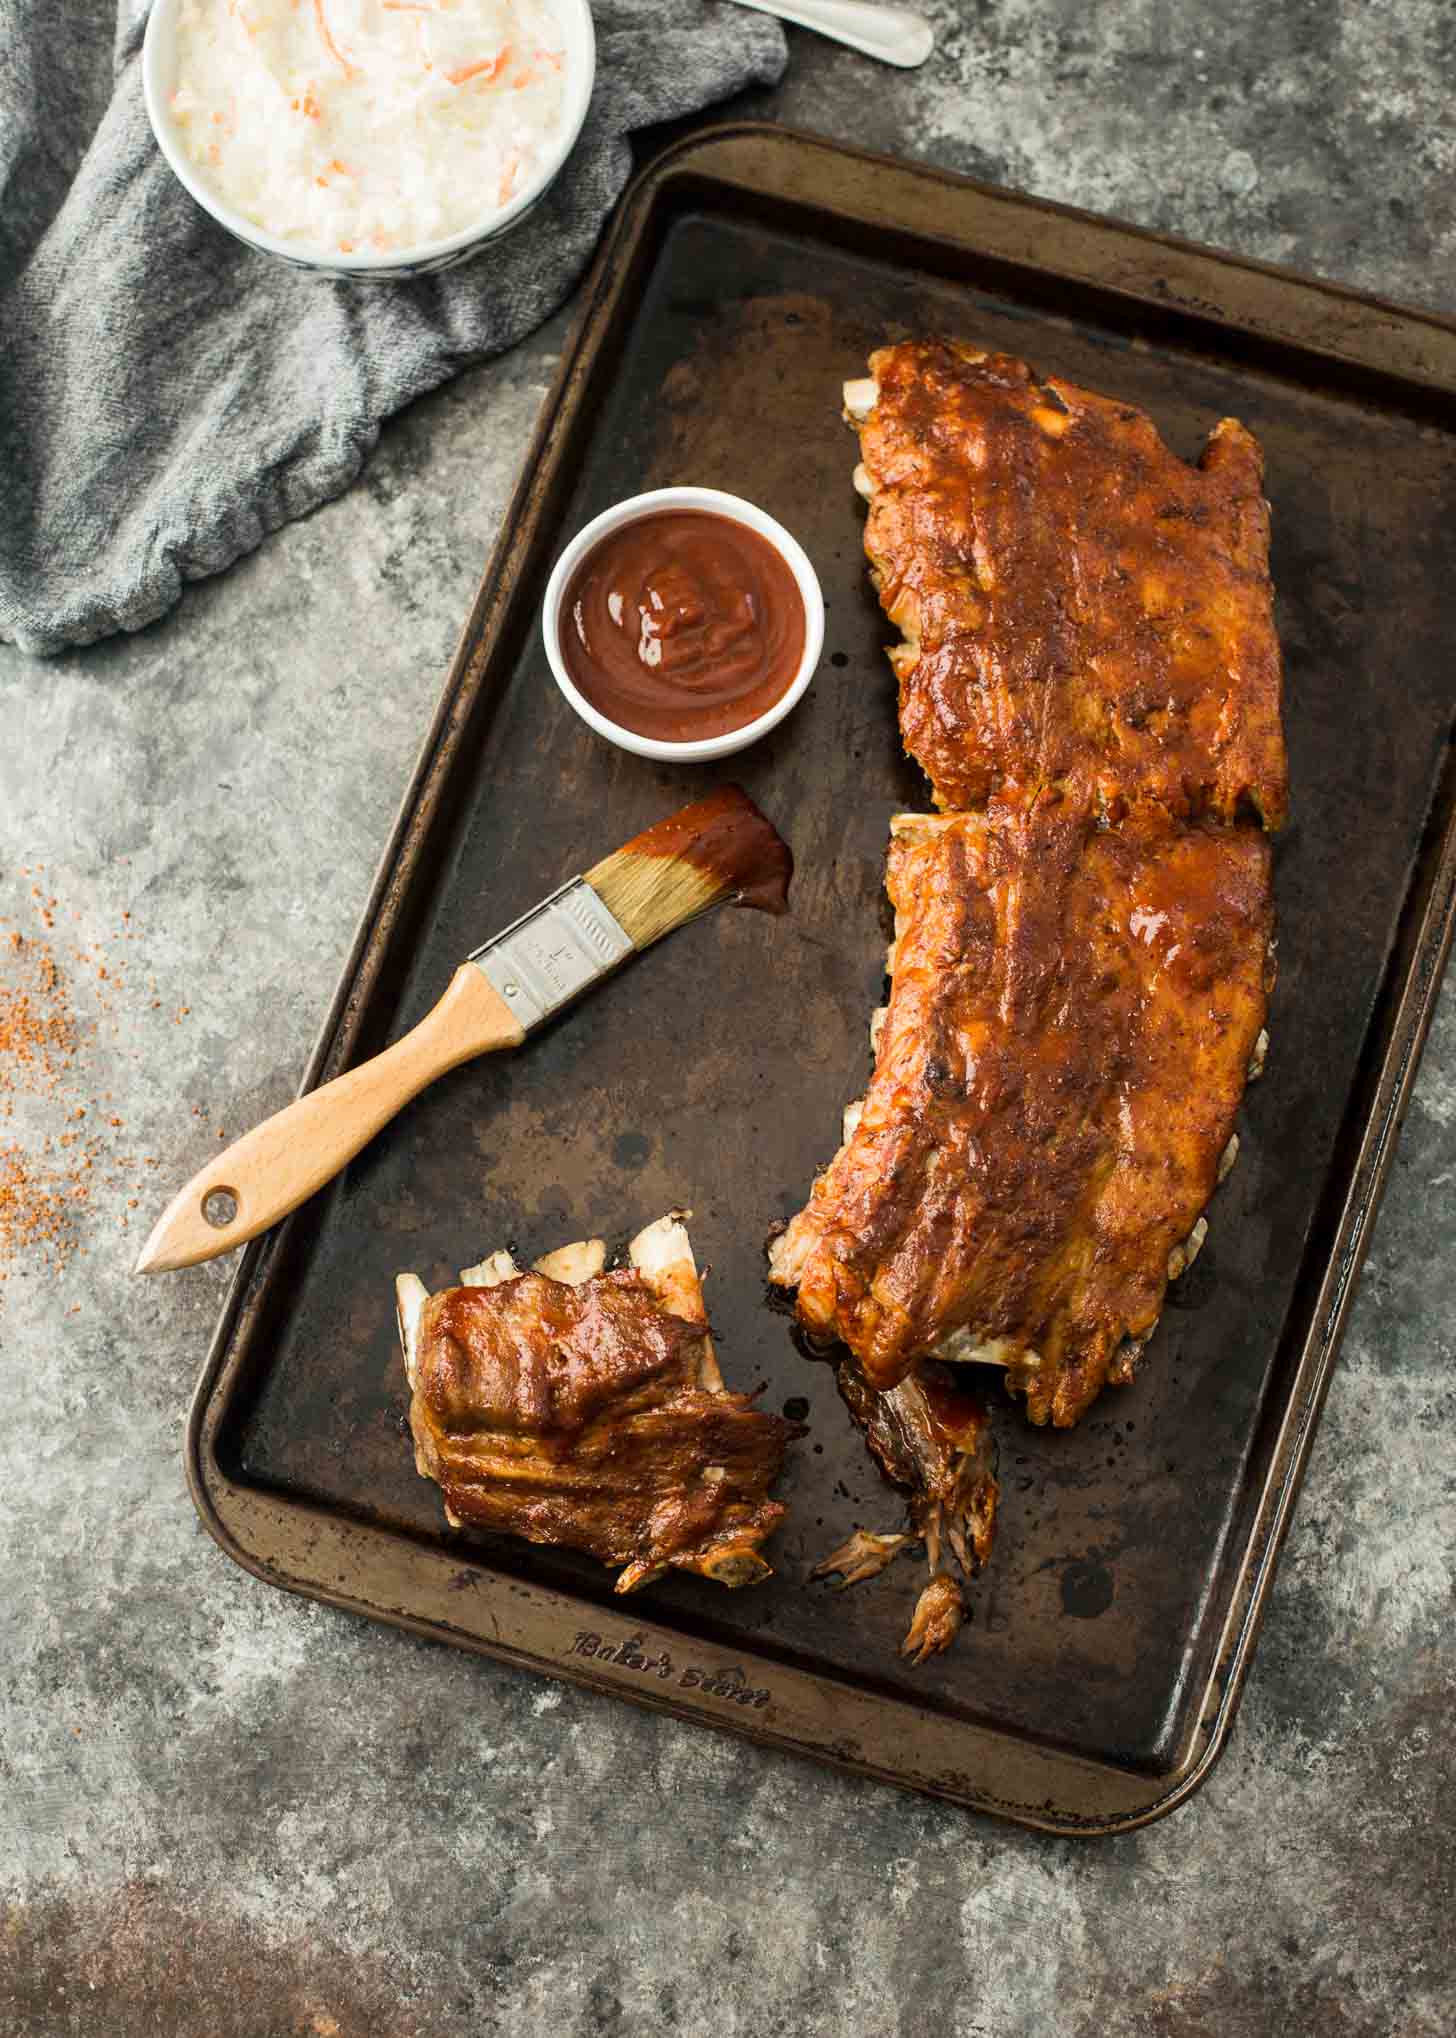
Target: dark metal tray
x,y
748,271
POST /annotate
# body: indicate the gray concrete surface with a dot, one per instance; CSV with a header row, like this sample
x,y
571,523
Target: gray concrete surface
x,y
229,1814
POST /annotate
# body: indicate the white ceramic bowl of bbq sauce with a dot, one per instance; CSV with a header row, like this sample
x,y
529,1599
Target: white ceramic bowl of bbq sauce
x,y
419,258
708,502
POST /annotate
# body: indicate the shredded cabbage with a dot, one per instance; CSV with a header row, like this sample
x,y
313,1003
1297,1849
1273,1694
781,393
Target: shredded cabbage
x,y
364,125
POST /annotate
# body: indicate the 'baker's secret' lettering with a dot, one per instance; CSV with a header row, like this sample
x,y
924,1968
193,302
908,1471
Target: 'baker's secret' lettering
x,y
629,1655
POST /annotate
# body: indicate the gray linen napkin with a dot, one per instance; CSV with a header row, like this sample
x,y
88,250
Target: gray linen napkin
x,y
168,397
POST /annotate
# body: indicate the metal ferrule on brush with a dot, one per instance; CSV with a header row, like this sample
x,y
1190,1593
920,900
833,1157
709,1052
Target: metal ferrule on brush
x,y
553,953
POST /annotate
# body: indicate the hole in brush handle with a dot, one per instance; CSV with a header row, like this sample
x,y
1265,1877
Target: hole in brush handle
x,y
220,1208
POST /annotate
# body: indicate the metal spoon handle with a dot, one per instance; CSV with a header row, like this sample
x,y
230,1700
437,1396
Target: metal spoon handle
x,y
895,35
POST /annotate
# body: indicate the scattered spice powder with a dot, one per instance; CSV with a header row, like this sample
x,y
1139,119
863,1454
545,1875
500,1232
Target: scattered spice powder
x,y
58,1155
33,1210
37,1030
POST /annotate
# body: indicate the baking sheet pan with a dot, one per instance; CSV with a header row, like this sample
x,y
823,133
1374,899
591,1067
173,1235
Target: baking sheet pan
x,y
749,270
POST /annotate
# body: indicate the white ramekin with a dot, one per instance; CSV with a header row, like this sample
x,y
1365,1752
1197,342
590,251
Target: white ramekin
x,y
704,748
158,66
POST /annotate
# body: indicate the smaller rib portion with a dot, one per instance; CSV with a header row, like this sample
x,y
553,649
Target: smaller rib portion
x,y
585,1408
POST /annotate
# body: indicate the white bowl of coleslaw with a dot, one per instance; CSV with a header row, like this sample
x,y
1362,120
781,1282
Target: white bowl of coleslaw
x,y
368,138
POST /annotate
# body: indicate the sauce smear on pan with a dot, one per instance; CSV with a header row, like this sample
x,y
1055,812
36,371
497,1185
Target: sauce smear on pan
x,y
683,624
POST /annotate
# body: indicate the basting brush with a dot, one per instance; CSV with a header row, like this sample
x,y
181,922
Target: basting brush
x,y
720,851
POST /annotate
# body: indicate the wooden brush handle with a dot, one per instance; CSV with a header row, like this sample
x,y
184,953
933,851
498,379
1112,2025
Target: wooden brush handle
x,y
278,1165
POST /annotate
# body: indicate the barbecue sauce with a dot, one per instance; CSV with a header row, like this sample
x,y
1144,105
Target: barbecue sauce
x,y
683,625
730,842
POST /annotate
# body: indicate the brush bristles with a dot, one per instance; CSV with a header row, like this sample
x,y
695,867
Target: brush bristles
x,y
718,850
650,895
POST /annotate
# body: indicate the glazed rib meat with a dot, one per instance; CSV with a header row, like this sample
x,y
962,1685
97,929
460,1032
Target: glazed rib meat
x,y
930,1435
1090,678
1074,1008
1078,605
582,1407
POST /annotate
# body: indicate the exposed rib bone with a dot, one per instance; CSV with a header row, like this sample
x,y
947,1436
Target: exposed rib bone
x,y
1181,1258
663,1256
494,1269
574,1263
941,1607
969,1348
863,1555
939,1614
410,1297
924,827
861,394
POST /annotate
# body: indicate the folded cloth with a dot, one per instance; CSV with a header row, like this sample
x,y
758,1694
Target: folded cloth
x,y
167,396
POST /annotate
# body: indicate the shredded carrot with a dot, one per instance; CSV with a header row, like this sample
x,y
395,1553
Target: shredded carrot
x,y
346,247
552,57
508,179
328,41
487,68
523,79
342,168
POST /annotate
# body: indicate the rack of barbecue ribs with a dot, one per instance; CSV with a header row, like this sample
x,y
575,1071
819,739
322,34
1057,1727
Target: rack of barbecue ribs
x,y
1072,1012
1089,676
1078,606
581,1406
